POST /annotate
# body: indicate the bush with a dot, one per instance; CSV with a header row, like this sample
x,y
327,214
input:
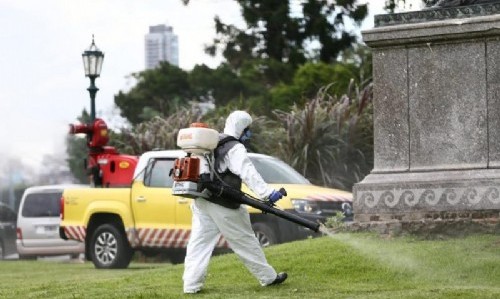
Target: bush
x,y
330,140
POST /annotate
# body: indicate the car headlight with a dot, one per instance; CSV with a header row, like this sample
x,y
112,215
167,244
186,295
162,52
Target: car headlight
x,y
305,206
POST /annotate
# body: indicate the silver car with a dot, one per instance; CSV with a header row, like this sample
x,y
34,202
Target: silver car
x,y
38,224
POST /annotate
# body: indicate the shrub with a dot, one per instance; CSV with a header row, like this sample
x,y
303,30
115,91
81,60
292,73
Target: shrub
x,y
330,139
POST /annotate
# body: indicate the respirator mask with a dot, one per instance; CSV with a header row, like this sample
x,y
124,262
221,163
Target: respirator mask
x,y
245,136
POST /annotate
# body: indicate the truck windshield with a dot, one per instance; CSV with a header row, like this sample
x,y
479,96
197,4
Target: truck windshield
x,y
275,171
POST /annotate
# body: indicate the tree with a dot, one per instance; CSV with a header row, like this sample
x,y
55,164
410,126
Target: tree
x,y
220,85
158,91
325,23
76,149
355,67
259,76
392,5
274,33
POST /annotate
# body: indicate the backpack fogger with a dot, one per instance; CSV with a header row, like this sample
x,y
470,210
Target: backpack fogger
x,y
195,175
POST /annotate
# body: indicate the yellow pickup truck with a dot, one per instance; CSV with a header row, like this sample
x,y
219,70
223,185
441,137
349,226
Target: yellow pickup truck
x,y
115,222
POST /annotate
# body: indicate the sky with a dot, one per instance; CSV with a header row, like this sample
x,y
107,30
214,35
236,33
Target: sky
x,y
42,82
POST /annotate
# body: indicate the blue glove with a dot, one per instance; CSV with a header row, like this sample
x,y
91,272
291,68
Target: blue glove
x,y
275,196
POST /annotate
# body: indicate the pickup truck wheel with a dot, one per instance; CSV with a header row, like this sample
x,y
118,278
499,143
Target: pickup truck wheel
x,y
177,257
265,234
109,248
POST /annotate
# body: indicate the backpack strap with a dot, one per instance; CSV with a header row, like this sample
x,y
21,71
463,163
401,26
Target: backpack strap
x,y
223,146
227,177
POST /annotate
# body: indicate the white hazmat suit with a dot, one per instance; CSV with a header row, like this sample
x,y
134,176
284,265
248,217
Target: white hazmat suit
x,y
210,220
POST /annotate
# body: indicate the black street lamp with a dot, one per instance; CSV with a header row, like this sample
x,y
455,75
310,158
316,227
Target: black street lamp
x,y
92,62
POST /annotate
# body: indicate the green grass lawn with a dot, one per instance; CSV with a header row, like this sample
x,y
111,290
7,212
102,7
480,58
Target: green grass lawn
x,y
345,266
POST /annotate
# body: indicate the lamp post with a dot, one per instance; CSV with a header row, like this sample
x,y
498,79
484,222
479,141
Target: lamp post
x,y
92,62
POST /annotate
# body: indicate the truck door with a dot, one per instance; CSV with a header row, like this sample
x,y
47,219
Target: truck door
x,y
162,220
154,206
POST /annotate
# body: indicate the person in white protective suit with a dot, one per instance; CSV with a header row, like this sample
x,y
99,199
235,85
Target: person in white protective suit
x,y
211,219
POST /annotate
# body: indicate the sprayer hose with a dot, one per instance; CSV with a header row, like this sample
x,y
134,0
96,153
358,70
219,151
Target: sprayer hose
x,y
241,197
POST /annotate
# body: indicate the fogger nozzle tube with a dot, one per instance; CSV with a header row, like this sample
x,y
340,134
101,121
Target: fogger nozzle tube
x,y
244,199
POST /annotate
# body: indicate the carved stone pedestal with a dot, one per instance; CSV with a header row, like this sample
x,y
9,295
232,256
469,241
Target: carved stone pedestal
x,y
436,117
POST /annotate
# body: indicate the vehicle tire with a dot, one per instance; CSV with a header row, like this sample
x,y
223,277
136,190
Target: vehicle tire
x,y
109,248
265,234
177,256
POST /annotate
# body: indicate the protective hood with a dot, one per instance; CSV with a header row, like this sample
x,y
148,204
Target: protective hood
x,y
236,122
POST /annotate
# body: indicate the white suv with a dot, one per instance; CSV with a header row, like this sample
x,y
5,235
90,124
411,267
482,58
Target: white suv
x,y
38,224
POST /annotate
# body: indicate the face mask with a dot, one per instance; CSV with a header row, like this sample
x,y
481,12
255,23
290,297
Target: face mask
x,y
246,135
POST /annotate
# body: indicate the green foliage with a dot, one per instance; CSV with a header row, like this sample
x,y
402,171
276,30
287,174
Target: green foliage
x,y
221,85
336,222
160,91
238,46
274,32
392,5
76,148
310,77
161,133
324,23
266,70
261,62
344,266
268,136
283,96
156,133
259,75
330,139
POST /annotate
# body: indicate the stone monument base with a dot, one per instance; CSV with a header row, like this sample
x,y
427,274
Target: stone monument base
x,y
466,194
436,76
428,228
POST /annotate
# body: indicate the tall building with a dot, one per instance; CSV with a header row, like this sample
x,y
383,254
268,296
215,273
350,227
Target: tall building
x,y
161,44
